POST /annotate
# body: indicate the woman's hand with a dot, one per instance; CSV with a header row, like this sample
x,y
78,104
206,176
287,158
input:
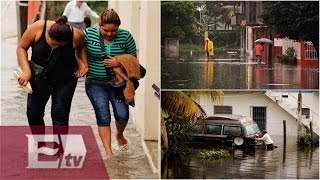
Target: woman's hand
x,y
25,76
112,62
81,71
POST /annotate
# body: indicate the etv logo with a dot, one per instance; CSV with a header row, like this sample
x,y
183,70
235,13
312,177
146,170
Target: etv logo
x,y
73,156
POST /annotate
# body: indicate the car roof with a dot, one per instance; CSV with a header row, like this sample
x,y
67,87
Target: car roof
x,y
228,119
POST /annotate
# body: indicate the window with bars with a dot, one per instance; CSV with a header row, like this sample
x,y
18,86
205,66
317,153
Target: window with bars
x,y
306,112
259,115
310,51
222,109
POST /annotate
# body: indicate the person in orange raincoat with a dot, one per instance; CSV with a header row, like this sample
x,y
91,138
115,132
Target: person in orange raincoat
x,y
258,51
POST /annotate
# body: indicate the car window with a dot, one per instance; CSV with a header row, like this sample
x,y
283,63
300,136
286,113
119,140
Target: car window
x,y
252,129
213,129
197,129
232,130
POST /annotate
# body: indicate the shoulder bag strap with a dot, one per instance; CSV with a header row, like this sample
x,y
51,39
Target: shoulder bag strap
x,y
104,55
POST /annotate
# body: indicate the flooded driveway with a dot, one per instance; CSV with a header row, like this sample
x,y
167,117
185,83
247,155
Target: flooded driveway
x,y
288,162
196,71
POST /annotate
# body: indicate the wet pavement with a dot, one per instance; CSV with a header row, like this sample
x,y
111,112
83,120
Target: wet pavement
x,y
195,71
132,164
284,162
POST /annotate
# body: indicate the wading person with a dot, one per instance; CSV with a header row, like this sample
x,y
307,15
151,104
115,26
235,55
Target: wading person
x,y
59,49
209,48
258,50
116,42
266,140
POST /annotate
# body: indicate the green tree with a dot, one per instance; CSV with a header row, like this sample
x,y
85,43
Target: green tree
x,y
182,102
295,20
178,20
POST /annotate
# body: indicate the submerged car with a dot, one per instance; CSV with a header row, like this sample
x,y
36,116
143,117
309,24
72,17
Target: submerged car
x,y
228,129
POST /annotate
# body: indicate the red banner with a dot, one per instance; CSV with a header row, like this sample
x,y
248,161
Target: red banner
x,y
50,153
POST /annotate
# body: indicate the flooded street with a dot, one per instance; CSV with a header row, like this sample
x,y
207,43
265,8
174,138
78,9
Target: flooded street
x,y
131,164
288,162
196,71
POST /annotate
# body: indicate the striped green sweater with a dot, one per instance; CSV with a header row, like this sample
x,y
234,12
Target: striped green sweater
x,y
123,43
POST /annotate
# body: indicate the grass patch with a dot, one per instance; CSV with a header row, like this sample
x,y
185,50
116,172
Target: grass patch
x,y
305,140
212,155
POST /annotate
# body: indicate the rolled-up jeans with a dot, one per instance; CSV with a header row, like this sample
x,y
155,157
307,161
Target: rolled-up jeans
x,y
100,94
61,93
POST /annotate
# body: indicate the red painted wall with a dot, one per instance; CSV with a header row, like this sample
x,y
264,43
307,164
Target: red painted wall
x,y
305,62
33,10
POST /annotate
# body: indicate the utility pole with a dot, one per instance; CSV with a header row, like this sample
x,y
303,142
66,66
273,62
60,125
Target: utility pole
x,y
299,116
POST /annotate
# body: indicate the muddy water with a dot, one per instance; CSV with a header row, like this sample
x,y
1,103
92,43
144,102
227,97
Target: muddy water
x,y
195,71
285,162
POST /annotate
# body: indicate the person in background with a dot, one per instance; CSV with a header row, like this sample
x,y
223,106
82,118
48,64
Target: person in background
x,y
266,140
209,47
258,50
116,41
77,11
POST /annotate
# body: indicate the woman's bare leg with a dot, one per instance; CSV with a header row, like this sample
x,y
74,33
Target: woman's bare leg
x,y
105,135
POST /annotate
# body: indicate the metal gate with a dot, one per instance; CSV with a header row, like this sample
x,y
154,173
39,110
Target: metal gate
x,y
259,115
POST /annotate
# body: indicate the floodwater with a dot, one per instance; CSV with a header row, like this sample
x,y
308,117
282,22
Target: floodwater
x,y
196,71
289,162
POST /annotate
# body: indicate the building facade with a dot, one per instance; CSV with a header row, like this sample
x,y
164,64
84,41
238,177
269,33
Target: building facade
x,y
265,110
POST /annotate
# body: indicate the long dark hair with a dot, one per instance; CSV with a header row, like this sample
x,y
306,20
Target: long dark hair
x,y
61,31
110,16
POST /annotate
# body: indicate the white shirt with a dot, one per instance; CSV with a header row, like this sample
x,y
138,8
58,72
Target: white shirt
x,y
266,139
77,14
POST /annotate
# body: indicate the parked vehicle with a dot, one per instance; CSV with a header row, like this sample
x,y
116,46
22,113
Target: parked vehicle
x,y
226,128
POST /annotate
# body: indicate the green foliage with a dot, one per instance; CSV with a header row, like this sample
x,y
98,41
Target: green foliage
x,y
59,8
178,20
212,155
288,58
296,20
305,140
226,39
189,46
179,134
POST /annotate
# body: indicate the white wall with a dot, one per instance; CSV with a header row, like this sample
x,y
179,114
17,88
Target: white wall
x,y
309,100
142,19
242,102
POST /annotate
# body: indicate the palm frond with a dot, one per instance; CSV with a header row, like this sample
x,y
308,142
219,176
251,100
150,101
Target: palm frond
x,y
215,96
183,102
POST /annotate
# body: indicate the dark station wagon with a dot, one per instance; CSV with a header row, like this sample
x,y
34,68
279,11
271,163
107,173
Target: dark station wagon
x,y
226,128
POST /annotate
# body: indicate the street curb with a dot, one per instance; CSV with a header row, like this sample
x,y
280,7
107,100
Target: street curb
x,y
147,152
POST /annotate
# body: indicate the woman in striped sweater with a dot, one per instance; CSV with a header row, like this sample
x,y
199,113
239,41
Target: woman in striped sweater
x,y
116,41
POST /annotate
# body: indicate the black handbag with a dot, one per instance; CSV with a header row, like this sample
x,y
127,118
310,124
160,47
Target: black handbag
x,y
143,71
39,75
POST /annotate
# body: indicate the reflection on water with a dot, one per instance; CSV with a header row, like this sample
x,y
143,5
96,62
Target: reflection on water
x,y
255,163
195,71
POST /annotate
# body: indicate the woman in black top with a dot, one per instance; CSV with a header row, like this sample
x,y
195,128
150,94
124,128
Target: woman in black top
x,y
62,46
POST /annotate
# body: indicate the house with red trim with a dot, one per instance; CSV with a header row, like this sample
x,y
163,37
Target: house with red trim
x,y
252,28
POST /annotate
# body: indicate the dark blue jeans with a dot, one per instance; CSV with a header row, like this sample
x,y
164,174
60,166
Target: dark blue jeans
x,y
61,93
100,94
